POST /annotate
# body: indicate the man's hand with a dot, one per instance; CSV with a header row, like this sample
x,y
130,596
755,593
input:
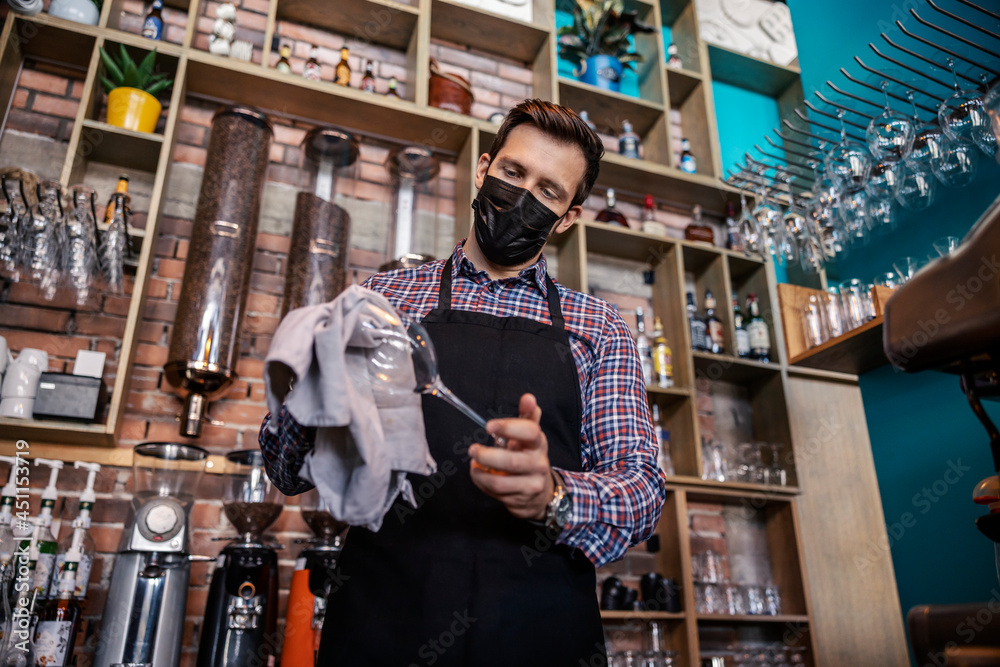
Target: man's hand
x,y
520,476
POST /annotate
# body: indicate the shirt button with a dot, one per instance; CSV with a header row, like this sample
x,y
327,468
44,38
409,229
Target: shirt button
x,y
493,288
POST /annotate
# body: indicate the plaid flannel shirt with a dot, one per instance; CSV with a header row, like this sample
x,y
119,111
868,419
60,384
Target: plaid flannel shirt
x,y
618,497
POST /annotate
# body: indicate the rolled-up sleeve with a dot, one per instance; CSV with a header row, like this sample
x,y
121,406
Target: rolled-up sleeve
x,y
285,450
618,498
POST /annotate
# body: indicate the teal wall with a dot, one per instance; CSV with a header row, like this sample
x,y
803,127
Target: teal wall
x,y
919,424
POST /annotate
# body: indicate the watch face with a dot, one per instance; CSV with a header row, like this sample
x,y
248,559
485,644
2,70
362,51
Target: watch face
x,y
563,510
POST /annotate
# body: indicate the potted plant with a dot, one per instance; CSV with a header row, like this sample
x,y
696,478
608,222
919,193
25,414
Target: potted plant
x,y
132,90
598,41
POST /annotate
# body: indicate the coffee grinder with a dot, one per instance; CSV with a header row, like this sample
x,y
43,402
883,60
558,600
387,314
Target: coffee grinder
x,y
242,612
314,576
143,620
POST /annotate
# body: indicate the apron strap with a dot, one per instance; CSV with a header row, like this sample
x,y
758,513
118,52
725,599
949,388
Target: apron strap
x,y
555,310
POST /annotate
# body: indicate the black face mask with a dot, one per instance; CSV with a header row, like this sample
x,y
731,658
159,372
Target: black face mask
x,y
511,225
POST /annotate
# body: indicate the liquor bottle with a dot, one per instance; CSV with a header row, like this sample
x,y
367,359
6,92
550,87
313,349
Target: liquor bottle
x,y
697,230
688,163
284,65
610,213
59,622
152,26
742,337
734,237
585,117
758,331
628,141
673,60
113,247
368,82
699,330
312,70
663,440
644,346
392,92
650,224
713,325
663,357
342,75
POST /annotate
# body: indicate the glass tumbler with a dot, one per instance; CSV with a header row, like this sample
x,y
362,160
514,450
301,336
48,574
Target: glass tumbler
x,y
852,295
756,604
814,323
772,600
834,305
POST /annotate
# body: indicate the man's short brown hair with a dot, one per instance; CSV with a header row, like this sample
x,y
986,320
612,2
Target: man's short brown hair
x,y
560,123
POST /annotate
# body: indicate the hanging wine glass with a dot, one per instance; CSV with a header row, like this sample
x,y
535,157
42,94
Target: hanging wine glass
x,y
881,214
927,142
12,222
41,247
766,215
963,112
882,179
854,214
983,134
751,240
890,134
848,162
79,243
991,105
957,164
916,187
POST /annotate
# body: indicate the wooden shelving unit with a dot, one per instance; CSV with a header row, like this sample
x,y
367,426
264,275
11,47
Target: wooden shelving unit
x,y
203,76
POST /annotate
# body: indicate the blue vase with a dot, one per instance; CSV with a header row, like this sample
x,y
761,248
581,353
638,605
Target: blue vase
x,y
602,71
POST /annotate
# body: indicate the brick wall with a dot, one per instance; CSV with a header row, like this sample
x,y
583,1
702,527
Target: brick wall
x,y
45,101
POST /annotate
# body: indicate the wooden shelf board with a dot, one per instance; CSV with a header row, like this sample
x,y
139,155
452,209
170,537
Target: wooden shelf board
x,y
486,31
739,69
323,102
607,110
856,352
727,368
349,17
732,493
641,177
121,147
681,83
55,39
616,241
51,431
642,615
671,394
747,618
737,489
802,371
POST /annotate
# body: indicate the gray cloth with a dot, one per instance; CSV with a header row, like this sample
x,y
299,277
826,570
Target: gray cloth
x,y
349,363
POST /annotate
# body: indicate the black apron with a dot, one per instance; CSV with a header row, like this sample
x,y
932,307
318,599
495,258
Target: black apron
x,y
459,581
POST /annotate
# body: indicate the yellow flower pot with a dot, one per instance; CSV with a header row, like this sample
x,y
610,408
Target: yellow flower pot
x,y
133,109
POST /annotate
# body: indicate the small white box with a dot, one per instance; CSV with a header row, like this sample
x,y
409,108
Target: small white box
x,y
90,364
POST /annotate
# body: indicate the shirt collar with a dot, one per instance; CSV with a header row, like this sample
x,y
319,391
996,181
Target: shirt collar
x,y
534,274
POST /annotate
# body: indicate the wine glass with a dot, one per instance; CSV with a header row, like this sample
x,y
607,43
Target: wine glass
x,y
849,162
890,134
751,240
958,162
983,134
79,243
962,112
991,106
854,214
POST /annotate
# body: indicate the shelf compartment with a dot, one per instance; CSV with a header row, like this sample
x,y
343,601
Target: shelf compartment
x,y
121,147
607,109
486,31
54,39
616,241
745,71
772,523
175,19
727,368
639,177
856,351
219,79
350,17
680,84
748,278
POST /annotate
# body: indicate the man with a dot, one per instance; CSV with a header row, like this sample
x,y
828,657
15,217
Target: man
x,y
496,565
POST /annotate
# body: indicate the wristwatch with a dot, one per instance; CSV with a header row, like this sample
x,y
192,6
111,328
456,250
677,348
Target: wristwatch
x,y
558,510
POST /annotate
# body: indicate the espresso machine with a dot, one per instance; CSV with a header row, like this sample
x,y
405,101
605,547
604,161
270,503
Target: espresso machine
x,y
240,626
143,620
314,576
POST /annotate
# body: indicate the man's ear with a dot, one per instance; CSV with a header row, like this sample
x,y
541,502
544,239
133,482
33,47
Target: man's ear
x,y
572,215
481,168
